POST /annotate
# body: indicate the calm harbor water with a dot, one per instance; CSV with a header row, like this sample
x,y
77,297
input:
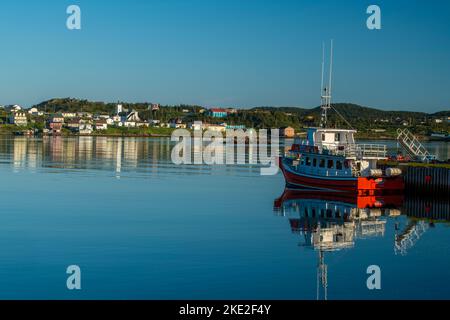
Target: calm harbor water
x,y
141,227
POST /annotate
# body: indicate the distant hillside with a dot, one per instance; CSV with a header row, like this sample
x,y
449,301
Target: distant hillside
x,y
351,111
441,114
346,109
359,117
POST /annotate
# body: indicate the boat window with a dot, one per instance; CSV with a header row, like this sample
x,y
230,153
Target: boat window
x,y
315,162
337,137
322,163
329,213
330,164
323,136
303,161
346,164
339,165
308,161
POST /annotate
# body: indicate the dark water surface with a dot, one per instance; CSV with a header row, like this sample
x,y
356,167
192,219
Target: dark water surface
x,y
141,227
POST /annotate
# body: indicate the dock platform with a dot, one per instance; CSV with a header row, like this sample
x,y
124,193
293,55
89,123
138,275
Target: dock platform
x,y
423,177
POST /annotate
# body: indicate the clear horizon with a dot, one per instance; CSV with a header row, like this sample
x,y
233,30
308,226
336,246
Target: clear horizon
x,y
226,53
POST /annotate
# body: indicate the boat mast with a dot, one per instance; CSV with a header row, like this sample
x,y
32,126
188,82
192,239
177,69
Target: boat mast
x,y
326,91
322,276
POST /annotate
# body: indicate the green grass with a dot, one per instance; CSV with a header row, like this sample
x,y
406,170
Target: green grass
x,y
143,131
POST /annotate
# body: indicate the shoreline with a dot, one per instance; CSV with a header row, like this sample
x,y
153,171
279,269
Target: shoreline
x,y
162,135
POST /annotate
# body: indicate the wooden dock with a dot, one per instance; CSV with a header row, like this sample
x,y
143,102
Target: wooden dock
x,y
426,207
424,178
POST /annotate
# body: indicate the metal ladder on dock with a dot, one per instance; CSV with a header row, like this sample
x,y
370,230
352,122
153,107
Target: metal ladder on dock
x,y
412,145
408,239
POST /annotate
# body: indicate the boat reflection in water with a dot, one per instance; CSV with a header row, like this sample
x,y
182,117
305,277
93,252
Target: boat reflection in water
x,y
330,222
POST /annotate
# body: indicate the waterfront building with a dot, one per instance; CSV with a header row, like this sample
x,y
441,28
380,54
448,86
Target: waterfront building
x,y
196,126
101,125
142,124
35,112
19,118
129,124
119,109
287,132
177,124
55,124
57,118
69,114
84,115
216,127
133,116
55,127
218,113
85,128
117,119
236,127
73,124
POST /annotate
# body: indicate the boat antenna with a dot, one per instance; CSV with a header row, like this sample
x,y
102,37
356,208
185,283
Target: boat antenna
x,y
326,94
323,67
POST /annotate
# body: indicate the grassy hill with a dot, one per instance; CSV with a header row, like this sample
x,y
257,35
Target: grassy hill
x,y
366,120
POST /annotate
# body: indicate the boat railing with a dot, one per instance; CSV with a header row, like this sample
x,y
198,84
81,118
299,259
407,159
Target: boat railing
x,y
362,151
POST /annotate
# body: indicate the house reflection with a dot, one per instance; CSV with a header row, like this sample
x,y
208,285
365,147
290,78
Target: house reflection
x,y
85,152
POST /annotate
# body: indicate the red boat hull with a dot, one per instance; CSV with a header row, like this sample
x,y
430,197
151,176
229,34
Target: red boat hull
x,y
356,185
371,201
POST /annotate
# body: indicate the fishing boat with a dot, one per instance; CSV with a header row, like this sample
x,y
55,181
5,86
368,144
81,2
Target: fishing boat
x,y
330,160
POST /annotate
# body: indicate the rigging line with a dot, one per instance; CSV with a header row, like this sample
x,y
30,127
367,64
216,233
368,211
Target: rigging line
x,y
340,115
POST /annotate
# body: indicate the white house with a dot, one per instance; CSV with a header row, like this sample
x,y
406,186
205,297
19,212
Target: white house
x,y
117,119
69,114
18,118
84,115
216,127
142,124
133,116
196,126
85,128
33,111
101,125
130,120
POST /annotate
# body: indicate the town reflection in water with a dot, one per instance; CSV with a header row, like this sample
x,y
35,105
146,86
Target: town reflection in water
x,y
334,222
84,152
112,154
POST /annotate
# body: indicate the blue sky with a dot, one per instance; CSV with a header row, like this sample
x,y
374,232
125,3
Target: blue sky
x,y
226,52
